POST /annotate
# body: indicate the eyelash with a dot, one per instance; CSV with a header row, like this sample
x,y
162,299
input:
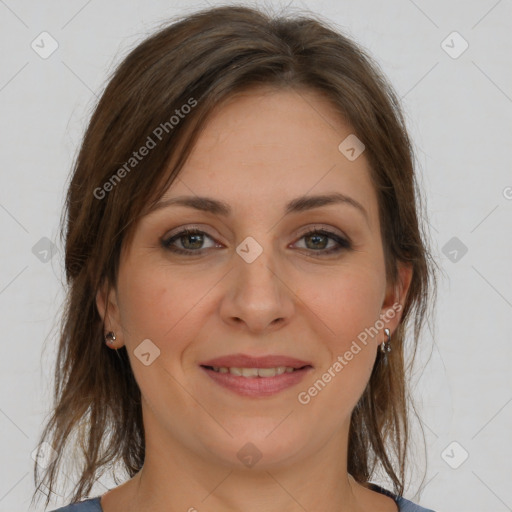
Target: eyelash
x,y
343,243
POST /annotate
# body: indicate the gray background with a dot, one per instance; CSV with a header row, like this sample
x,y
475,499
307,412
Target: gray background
x,y
459,111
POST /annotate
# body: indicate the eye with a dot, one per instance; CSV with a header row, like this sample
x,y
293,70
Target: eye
x,y
191,242
317,240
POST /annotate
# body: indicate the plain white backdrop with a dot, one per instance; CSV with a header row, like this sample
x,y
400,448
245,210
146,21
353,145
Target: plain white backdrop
x,y
450,63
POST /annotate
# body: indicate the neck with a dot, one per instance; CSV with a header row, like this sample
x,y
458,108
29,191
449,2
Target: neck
x,y
175,478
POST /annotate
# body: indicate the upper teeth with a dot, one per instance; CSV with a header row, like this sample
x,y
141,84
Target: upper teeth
x,y
254,372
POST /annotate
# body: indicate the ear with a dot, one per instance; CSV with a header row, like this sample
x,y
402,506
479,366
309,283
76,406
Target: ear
x,y
106,302
396,294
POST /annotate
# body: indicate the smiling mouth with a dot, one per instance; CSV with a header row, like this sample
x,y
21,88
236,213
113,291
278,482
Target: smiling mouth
x,y
255,372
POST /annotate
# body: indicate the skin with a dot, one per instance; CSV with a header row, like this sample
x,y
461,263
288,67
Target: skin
x,y
259,150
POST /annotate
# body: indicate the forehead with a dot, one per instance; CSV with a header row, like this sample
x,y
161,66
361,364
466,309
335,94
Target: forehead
x,y
263,147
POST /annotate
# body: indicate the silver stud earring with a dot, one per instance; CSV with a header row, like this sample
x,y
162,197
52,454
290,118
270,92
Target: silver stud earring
x,y
385,346
110,337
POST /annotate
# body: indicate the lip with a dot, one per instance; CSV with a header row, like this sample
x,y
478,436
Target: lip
x,y
246,361
256,387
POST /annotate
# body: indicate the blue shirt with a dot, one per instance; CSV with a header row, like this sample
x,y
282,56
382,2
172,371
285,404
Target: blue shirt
x,y
93,504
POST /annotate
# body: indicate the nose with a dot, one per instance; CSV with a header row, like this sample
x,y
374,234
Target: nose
x,y
258,297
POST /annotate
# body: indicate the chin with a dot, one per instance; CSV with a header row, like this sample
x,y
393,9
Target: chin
x,y
257,447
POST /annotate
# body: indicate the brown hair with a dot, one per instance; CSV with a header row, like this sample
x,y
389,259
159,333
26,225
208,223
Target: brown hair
x,y
200,61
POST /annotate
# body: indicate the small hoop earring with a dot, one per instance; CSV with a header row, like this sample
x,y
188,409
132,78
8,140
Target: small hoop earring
x,y
110,337
385,346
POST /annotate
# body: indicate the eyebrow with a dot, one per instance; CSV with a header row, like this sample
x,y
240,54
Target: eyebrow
x,y
299,204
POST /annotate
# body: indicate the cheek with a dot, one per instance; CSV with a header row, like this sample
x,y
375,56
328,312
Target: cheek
x,y
162,305
350,310
145,308
350,304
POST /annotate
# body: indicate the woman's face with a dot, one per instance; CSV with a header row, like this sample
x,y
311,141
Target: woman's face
x,y
285,262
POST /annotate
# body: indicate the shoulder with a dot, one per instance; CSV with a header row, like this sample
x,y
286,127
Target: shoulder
x,y
89,505
409,506
403,504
